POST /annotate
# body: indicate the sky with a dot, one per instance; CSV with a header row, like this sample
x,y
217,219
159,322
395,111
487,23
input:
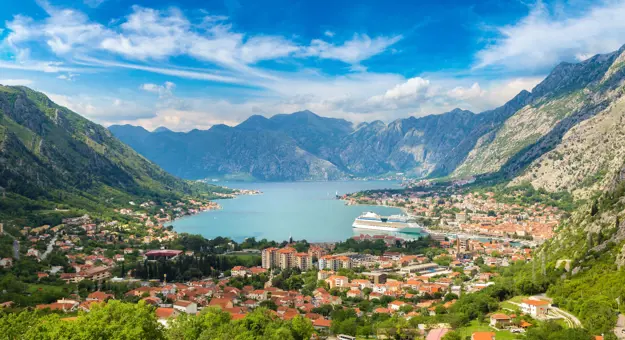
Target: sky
x,y
193,64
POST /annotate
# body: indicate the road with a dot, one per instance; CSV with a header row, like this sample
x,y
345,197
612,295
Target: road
x,y
49,248
556,312
620,327
571,319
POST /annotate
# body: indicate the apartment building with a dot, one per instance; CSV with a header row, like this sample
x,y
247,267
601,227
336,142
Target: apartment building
x,y
335,262
284,258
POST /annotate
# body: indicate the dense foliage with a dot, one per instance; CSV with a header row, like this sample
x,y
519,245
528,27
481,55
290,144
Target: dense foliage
x,y
125,321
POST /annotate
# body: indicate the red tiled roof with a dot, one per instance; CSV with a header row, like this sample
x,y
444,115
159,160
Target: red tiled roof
x,y
536,302
164,313
483,336
322,323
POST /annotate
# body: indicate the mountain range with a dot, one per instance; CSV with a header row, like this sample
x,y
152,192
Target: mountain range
x,y
527,139
305,146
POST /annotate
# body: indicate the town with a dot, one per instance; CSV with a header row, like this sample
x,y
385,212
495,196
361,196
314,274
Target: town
x,y
375,277
470,213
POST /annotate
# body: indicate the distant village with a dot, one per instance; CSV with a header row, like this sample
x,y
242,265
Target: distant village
x,y
470,213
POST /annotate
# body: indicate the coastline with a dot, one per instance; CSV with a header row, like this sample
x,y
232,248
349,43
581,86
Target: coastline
x,y
448,233
240,192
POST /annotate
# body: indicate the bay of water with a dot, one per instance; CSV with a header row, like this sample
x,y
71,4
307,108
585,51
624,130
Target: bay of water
x,y
303,210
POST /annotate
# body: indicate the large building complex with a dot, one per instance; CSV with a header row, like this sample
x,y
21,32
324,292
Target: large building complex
x,y
334,262
286,258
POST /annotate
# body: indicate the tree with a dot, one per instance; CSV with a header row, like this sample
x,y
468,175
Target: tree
x,y
452,336
115,320
301,328
269,304
209,322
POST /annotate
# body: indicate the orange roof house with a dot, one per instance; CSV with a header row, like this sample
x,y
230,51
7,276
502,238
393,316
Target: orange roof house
x,y
483,336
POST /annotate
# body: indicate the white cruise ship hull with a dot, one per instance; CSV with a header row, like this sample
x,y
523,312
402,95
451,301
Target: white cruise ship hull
x,y
374,227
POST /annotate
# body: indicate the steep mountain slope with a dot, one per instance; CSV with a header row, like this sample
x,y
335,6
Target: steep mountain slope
x,y
571,94
49,153
415,145
588,157
591,153
261,148
582,266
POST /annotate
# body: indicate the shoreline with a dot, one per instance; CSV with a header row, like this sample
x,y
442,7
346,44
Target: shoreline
x,y
241,192
450,233
288,193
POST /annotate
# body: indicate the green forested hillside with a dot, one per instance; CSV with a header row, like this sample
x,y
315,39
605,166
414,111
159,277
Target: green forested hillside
x,y
581,268
52,158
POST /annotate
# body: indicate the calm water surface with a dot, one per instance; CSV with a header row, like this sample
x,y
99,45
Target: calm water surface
x,y
305,210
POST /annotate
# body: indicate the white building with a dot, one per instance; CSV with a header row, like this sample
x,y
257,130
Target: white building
x,y
185,306
535,308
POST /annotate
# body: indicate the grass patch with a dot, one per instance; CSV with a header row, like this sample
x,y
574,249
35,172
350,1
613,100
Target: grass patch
x,y
518,299
507,305
475,326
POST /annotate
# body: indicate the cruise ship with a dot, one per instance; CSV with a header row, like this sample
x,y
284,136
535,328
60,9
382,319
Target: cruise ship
x,y
393,223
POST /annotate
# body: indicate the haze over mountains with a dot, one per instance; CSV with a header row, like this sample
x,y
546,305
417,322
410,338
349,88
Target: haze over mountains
x,y
305,146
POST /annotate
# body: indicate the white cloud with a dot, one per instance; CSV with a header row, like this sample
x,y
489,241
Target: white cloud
x,y
68,76
101,109
329,34
358,98
359,48
266,48
543,39
170,71
41,66
149,33
157,35
93,3
162,90
13,82
64,30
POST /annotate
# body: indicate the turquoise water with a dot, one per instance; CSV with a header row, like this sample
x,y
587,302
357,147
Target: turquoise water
x,y
304,210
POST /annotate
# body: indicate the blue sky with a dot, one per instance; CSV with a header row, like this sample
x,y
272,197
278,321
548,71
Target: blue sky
x,y
193,64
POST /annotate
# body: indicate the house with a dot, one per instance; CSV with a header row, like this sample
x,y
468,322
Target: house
x,y
65,306
96,273
374,295
336,281
483,336
185,306
7,304
99,296
6,262
33,252
322,324
239,271
535,308
258,294
222,303
354,293
396,305
164,314
500,320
